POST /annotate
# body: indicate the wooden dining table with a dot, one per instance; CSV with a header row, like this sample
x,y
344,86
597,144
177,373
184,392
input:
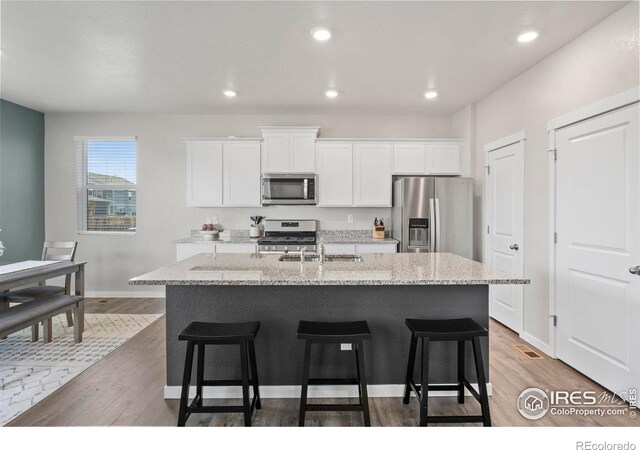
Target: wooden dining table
x,y
36,275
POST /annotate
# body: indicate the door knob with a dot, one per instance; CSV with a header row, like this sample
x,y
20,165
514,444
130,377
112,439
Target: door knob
x,y
514,247
634,270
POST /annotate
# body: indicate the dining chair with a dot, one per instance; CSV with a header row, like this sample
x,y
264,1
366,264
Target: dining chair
x,y
51,251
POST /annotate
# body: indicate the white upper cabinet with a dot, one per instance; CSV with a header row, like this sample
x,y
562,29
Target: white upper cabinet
x,y
204,174
443,159
276,152
428,157
372,174
241,174
223,172
335,174
409,159
288,149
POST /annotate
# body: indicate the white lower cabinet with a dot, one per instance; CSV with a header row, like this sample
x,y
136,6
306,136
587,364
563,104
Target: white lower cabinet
x,y
376,248
236,248
358,249
339,249
184,251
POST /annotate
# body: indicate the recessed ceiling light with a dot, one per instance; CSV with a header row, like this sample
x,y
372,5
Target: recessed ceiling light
x,y
230,93
331,93
527,36
321,34
430,94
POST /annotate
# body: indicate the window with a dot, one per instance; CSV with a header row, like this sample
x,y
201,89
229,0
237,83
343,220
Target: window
x,y
106,184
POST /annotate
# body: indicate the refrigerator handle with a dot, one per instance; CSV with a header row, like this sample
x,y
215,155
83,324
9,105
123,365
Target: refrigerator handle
x,y
432,229
438,246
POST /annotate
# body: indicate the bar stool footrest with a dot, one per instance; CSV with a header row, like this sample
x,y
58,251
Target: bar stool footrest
x,y
331,381
454,419
333,407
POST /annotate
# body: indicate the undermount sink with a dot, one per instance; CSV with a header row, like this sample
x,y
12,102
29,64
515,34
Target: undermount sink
x,y
295,257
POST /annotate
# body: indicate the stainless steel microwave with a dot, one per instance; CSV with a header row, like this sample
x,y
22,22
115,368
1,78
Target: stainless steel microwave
x,y
289,189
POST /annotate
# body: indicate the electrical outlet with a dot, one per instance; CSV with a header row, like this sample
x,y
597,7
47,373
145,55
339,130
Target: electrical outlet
x,y
345,347
350,218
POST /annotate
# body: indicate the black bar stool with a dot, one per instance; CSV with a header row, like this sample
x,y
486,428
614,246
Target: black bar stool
x,y
460,330
202,334
334,332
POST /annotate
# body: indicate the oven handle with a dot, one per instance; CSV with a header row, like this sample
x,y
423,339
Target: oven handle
x,y
306,188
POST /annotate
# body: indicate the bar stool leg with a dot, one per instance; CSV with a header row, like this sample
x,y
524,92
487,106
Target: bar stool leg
x,y
362,380
200,374
482,383
305,382
186,379
424,383
461,360
355,348
410,365
245,383
254,374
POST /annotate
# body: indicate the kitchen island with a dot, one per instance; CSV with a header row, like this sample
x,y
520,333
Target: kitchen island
x,y
383,289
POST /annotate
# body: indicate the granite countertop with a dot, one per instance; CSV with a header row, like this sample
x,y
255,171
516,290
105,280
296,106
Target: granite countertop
x,y
328,236
376,269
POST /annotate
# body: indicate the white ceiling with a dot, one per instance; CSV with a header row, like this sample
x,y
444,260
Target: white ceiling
x,y
178,57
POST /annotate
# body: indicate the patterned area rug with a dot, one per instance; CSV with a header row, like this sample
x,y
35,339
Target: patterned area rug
x,y
30,371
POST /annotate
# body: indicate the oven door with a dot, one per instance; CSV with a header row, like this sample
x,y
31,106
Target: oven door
x,y
283,189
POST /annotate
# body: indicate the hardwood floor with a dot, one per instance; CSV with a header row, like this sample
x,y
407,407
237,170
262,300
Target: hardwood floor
x,y
126,389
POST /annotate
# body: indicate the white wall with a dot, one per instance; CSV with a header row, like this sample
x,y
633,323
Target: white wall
x,y
602,62
162,214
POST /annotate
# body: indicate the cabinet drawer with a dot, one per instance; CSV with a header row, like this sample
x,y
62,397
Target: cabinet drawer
x,y
236,248
339,249
376,248
184,251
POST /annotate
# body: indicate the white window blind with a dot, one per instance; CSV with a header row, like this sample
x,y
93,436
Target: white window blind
x,y
106,184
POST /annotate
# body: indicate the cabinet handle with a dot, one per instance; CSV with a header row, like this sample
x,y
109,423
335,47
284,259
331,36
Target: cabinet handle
x,y
514,247
634,270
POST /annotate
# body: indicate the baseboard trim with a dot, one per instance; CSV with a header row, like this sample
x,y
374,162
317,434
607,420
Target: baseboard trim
x,y
293,391
537,343
124,294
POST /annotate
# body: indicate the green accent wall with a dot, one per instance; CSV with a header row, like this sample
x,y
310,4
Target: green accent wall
x,y
21,182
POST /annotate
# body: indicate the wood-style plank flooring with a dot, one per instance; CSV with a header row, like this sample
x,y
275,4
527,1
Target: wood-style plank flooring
x,y
126,389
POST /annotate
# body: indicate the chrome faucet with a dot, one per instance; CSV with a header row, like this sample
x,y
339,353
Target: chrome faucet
x,y
321,251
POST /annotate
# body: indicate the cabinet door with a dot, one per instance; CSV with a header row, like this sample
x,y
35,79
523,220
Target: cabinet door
x,y
409,159
339,249
276,156
204,174
303,149
184,251
241,174
376,248
335,174
372,175
236,248
443,159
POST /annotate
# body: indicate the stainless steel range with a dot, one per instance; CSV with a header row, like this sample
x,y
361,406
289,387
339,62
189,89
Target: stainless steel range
x,y
284,236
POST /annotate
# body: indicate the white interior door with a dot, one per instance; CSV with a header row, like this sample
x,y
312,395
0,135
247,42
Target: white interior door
x,y
505,200
598,223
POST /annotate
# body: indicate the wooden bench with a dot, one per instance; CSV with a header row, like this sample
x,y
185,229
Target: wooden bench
x,y
43,310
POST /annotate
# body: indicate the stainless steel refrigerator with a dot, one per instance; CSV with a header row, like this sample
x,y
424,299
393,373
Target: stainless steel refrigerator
x,y
433,214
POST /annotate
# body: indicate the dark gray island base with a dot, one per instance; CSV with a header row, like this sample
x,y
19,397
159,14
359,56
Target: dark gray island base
x,y
383,289
279,308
